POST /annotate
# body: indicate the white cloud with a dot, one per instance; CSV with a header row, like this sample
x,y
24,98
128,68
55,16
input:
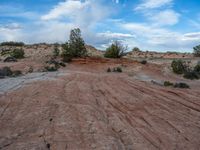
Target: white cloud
x,y
68,8
152,4
114,35
165,17
157,38
195,36
11,26
82,13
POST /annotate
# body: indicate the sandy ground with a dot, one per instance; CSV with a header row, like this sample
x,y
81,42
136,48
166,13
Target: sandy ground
x,y
82,107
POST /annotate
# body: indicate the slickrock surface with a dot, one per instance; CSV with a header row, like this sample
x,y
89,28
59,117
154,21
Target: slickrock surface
x,y
86,108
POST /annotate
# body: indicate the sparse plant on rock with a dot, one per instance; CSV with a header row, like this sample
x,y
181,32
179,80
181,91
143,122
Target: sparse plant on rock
x,y
181,85
178,66
191,75
117,69
108,70
17,53
77,44
11,43
136,49
75,47
144,62
56,51
168,83
116,50
197,51
7,72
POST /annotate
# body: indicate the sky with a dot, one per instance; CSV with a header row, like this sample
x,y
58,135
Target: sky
x,y
154,25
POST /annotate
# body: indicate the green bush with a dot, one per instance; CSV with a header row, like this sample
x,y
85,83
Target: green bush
x,y
77,44
12,44
117,69
168,83
191,75
197,68
197,51
17,53
143,62
108,70
56,51
136,49
7,72
178,66
116,50
75,47
51,68
62,64
67,53
181,85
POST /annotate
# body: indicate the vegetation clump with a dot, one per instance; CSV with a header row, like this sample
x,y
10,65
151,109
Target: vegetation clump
x,y
168,83
181,85
176,85
115,69
144,62
109,70
191,75
56,51
11,43
178,66
7,72
17,53
197,51
75,47
197,68
136,49
54,65
182,67
116,50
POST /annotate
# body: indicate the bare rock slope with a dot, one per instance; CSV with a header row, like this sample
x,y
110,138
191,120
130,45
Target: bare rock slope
x,y
87,108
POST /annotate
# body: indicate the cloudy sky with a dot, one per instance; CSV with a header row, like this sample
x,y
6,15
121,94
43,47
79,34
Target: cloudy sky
x,y
159,25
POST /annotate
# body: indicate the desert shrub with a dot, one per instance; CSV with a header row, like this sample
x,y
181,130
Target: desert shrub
x,y
178,66
30,70
5,52
191,75
56,51
51,68
117,69
168,83
11,43
136,49
197,68
108,70
181,85
62,64
116,50
75,47
67,53
197,51
7,72
77,44
143,62
17,53
16,73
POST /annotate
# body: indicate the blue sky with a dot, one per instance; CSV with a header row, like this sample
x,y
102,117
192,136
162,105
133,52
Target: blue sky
x,y
158,25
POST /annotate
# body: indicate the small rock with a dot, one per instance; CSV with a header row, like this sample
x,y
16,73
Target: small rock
x,y
10,59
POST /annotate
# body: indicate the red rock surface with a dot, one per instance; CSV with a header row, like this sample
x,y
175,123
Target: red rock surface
x,y
88,108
